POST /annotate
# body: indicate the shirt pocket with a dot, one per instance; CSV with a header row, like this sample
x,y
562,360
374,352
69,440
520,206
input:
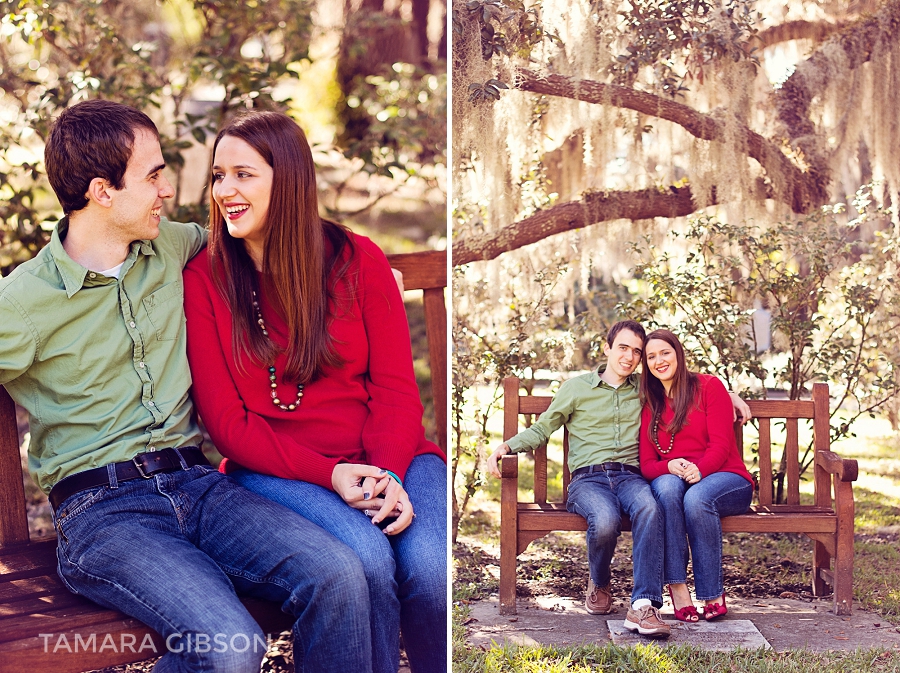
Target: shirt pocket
x,y
165,309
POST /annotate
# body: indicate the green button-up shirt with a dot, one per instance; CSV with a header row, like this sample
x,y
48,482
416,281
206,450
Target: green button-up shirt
x,y
99,363
603,422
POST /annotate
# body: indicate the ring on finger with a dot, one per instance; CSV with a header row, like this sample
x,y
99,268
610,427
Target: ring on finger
x,y
368,513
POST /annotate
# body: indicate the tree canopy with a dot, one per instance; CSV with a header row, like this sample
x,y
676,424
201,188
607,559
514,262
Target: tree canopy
x,y
669,107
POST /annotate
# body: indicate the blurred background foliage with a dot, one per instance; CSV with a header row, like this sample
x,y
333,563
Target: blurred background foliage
x,y
365,78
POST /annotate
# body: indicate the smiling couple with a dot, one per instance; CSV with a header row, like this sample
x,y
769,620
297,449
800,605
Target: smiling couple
x,y
659,448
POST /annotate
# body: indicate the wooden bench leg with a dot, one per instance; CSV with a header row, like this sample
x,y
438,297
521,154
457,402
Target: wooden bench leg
x,y
843,555
821,561
509,531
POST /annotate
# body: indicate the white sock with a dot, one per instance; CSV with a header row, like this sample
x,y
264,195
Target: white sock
x,y
641,603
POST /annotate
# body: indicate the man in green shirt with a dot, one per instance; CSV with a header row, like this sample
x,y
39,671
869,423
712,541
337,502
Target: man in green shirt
x,y
92,345
602,412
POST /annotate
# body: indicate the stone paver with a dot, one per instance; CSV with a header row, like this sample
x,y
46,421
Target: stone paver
x,y
722,635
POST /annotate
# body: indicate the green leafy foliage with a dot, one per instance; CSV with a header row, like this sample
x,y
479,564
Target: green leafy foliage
x,y
405,126
679,40
829,295
55,53
191,65
483,355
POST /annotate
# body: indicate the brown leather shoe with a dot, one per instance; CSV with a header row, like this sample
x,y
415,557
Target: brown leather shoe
x,y
647,622
598,600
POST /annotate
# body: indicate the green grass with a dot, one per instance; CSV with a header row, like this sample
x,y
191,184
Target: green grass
x,y
652,659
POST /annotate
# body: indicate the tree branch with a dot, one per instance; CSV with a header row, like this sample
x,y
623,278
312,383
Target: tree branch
x,y
857,42
798,30
594,207
790,183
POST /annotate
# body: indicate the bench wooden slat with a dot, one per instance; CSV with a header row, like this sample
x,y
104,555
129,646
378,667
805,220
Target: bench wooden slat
x,y
30,586
555,517
782,408
765,462
540,474
792,448
829,523
39,603
13,518
536,404
427,271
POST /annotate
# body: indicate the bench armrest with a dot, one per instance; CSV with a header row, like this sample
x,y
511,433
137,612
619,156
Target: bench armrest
x,y
509,466
846,469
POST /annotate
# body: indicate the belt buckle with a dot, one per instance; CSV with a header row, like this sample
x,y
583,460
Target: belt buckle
x,y
140,467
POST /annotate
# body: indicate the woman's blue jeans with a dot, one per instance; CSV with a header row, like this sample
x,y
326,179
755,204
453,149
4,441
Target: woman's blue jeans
x,y
407,572
175,550
693,513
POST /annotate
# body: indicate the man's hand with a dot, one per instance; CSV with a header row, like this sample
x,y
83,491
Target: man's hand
x,y
741,411
493,462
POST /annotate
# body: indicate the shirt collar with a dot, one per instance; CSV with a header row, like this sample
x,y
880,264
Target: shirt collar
x,y
596,381
75,276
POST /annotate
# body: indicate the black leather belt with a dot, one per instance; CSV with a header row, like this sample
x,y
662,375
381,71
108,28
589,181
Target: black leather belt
x,y
606,467
142,465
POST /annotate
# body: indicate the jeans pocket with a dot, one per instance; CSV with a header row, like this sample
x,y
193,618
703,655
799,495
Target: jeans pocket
x,y
73,507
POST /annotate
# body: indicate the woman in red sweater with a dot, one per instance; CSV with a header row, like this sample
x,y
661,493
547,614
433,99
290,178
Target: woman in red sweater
x,y
689,453
302,372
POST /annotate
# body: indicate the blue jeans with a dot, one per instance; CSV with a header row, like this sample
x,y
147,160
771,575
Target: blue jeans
x,y
694,513
175,550
407,573
602,498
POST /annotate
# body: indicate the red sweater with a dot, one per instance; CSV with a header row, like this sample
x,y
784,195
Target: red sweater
x,y
366,411
707,440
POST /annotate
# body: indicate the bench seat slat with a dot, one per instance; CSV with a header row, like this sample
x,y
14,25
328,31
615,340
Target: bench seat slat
x,y
41,585
809,521
26,560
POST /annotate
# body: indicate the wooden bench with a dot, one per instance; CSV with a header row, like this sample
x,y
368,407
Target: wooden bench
x,y
828,522
33,601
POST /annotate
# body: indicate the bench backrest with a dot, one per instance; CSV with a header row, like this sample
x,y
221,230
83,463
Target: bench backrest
x,y
426,271
516,406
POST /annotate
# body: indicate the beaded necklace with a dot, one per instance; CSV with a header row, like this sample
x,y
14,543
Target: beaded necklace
x,y
272,377
654,434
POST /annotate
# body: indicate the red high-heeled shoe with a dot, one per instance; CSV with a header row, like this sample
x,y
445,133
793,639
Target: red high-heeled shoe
x,y
686,614
714,610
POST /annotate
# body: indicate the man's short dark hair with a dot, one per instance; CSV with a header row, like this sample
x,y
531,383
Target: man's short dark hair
x,y
91,139
631,325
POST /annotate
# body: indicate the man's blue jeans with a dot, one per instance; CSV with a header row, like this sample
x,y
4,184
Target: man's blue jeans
x,y
694,513
407,572
174,551
602,498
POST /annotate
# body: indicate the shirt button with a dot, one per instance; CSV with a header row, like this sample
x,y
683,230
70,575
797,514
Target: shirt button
x,y
150,403
141,365
92,275
131,323
151,448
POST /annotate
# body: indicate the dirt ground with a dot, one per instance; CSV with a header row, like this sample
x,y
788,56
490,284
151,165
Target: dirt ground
x,y
557,566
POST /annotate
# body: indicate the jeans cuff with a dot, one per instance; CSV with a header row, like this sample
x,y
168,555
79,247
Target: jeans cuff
x,y
656,600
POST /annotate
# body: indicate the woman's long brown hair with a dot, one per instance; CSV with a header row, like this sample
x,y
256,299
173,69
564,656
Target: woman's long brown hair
x,y
684,385
298,269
